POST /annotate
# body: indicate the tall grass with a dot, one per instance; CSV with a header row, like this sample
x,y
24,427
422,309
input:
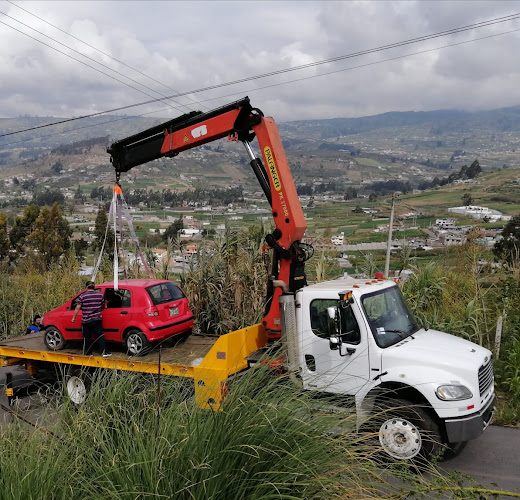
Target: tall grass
x,y
26,291
226,283
132,439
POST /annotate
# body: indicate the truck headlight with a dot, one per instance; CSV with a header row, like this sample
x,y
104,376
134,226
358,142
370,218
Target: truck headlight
x,y
453,392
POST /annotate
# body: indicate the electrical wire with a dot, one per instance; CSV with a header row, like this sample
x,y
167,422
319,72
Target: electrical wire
x,y
86,126
242,92
89,58
286,70
99,50
85,56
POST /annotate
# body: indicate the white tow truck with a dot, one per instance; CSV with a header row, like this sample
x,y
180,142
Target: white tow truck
x,y
349,338
357,338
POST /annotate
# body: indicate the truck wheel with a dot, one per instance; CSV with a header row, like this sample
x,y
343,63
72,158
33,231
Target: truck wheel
x,y
136,343
77,382
408,432
454,449
53,339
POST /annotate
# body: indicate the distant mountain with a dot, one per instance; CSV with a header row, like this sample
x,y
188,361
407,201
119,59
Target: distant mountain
x,y
354,152
501,120
294,133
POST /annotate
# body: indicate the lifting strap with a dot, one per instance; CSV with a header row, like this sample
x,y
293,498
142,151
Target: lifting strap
x,y
117,212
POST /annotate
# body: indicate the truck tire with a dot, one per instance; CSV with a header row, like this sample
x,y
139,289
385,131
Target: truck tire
x,y
453,450
77,382
53,339
407,431
136,343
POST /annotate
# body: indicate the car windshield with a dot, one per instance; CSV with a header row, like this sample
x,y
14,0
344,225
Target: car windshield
x,y
164,292
389,317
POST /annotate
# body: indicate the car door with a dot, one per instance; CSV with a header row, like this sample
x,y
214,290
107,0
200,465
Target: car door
x,y
117,313
70,330
339,371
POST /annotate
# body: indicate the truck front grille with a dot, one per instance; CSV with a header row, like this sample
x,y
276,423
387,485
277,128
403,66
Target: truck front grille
x,y
485,377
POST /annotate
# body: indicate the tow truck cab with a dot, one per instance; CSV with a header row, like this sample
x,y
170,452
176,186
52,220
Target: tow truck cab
x,y
357,338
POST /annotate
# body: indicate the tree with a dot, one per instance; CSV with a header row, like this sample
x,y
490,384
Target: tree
x,y
78,194
23,226
508,248
51,233
467,200
80,247
4,240
172,230
48,197
473,170
57,167
100,230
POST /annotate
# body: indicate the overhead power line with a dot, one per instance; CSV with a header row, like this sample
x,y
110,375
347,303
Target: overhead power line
x,y
309,65
278,84
87,57
97,49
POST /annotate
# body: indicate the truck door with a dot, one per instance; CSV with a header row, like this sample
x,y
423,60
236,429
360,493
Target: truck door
x,y
117,313
343,371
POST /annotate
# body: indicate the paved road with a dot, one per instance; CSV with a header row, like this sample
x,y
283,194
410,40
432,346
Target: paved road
x,y
492,458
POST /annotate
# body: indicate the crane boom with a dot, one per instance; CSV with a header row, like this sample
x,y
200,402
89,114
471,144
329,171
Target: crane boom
x,y
239,121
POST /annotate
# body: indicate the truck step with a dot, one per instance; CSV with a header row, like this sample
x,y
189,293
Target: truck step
x,y
255,357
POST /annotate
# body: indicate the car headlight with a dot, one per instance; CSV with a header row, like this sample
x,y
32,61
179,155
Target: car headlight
x,y
453,392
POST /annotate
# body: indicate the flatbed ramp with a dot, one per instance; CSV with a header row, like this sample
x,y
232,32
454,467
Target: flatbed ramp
x,y
209,361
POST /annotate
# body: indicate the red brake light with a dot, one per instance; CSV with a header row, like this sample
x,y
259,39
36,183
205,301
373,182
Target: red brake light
x,y
151,311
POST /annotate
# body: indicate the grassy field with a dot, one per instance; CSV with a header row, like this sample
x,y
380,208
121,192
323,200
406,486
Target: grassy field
x,y
367,162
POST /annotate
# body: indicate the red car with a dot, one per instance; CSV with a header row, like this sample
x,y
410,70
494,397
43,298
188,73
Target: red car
x,y
141,311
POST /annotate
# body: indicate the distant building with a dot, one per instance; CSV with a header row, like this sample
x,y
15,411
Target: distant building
x,y
446,224
338,239
189,232
477,212
451,239
191,250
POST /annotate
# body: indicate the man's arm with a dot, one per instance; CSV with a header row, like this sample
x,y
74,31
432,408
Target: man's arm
x,y
76,311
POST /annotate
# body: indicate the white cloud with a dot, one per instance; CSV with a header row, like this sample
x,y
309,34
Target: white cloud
x,y
191,45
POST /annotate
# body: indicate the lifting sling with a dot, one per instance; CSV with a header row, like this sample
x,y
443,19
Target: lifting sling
x,y
117,212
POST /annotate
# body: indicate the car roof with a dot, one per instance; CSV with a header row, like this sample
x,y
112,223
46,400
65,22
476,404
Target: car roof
x,y
140,283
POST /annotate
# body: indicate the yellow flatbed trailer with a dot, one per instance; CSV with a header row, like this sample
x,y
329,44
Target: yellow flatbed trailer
x,y
209,361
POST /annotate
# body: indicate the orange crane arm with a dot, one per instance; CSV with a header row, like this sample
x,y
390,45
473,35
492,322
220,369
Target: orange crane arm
x,y
240,122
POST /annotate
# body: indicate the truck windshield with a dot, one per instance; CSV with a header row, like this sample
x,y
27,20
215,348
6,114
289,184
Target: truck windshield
x,y
389,317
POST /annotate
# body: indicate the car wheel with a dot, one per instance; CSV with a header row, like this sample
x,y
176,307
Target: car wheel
x,y
53,339
136,343
407,431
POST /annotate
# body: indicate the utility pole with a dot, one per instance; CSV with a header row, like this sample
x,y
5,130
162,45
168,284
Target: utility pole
x,y
389,243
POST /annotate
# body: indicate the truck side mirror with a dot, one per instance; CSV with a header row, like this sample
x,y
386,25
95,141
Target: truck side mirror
x,y
335,343
334,320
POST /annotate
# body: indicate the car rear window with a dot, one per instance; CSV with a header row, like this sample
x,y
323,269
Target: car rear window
x,y
164,292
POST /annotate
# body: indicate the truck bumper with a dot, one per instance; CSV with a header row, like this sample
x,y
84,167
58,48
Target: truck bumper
x,y
470,426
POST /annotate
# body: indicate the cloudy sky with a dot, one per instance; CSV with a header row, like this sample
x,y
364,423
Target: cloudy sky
x,y
164,48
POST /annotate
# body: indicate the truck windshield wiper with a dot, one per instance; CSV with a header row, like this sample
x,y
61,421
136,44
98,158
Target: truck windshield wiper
x,y
401,333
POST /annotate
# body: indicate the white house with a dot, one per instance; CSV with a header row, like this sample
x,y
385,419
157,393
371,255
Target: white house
x,y
338,239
